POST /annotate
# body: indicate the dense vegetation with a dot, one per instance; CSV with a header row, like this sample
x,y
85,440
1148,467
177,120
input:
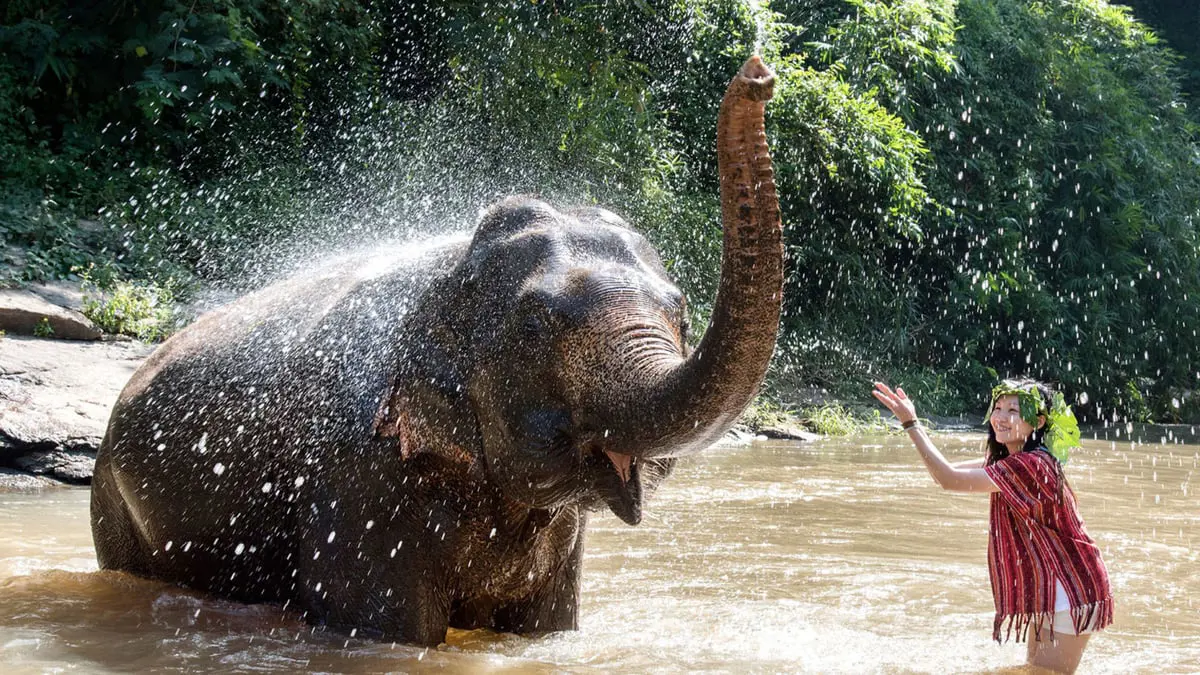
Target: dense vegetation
x,y
971,188
1178,23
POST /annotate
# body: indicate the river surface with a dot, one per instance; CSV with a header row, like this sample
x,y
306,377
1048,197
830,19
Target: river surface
x,y
834,556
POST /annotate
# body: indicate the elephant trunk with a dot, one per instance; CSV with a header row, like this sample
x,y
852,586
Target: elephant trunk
x,y
692,403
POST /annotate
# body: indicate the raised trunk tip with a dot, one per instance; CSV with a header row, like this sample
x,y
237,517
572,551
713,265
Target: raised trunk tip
x,y
758,79
691,405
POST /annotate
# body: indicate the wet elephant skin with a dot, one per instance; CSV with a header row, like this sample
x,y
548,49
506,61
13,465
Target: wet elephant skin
x,y
398,447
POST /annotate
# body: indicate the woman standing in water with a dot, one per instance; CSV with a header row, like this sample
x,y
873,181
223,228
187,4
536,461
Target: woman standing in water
x,y
1047,573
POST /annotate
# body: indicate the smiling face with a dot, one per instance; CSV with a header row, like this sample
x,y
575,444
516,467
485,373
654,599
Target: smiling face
x,y
1011,429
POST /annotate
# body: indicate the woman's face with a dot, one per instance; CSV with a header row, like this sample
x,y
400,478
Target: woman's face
x,y
1007,422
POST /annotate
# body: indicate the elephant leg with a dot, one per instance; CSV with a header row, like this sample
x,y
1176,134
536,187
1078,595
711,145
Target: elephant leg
x,y
418,616
555,606
403,604
118,542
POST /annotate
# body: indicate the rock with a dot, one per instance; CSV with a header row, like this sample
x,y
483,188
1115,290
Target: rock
x,y
21,312
18,481
69,466
790,432
55,399
65,294
737,436
12,263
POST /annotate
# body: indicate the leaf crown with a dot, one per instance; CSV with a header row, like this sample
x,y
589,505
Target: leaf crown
x,y
1062,431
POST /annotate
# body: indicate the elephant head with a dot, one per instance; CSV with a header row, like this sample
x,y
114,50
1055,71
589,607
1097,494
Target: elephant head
x,y
556,352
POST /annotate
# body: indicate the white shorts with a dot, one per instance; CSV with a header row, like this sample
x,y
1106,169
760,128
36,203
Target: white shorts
x,y
1063,623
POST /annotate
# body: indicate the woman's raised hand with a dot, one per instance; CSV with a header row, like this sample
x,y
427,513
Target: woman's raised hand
x,y
896,401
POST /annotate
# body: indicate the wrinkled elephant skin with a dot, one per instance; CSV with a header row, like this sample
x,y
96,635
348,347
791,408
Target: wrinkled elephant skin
x,y
402,447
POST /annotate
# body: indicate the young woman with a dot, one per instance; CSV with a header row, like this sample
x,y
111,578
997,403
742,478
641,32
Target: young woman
x,y
1047,573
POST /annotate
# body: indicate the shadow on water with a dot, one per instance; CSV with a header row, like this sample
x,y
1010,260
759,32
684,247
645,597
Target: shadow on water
x,y
836,556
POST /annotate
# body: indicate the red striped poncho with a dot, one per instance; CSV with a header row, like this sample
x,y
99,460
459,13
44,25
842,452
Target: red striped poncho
x,y
1037,536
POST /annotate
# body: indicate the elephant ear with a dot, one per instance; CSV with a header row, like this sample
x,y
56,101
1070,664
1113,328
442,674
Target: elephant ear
x,y
426,409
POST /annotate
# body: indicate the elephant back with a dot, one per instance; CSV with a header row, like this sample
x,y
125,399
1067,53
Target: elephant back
x,y
287,376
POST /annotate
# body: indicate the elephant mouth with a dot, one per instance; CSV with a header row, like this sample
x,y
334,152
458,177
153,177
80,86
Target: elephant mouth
x,y
621,485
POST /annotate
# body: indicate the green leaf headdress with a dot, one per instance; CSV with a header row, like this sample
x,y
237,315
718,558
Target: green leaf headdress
x,y
1062,432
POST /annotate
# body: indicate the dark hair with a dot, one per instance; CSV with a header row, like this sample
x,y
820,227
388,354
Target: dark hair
x,y
997,451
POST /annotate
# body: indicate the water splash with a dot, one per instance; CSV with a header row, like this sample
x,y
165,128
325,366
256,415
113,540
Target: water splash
x,y
693,588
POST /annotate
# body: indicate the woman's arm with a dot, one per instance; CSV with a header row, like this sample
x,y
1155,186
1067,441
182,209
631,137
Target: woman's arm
x,y
947,475
971,464
950,477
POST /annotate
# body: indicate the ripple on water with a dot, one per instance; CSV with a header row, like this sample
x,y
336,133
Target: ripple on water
x,y
840,558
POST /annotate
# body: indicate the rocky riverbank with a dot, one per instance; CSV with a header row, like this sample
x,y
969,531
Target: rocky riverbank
x,y
55,398
59,377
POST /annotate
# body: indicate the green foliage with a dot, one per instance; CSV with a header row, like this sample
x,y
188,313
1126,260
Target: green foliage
x,y
947,393
1135,407
141,310
764,412
858,168
1178,22
43,329
1061,163
830,419
124,111
969,189
893,47
836,420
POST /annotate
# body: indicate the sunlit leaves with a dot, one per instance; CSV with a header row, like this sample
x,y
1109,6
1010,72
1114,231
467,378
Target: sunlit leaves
x,y
969,189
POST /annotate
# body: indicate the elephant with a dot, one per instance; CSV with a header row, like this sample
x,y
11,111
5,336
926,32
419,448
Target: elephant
x,y
412,442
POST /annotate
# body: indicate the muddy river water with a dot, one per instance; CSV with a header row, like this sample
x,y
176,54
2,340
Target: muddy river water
x,y
834,556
